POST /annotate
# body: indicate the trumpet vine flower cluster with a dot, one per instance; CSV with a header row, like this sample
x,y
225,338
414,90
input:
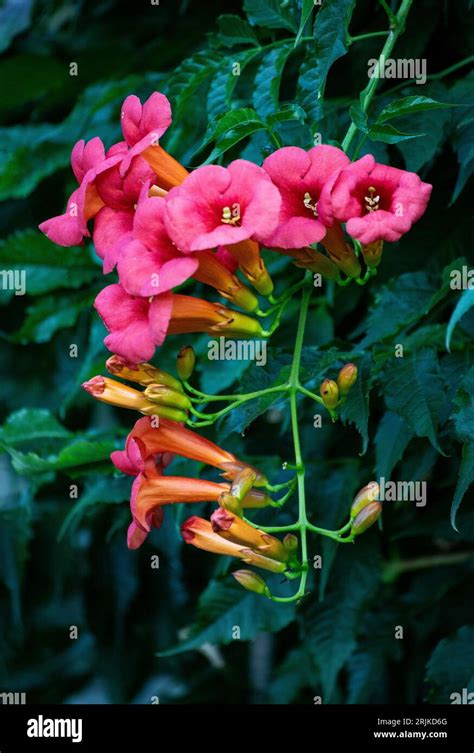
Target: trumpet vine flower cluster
x,y
155,226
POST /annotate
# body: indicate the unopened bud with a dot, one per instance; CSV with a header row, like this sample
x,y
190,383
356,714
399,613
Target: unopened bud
x,y
329,391
229,502
309,258
233,468
257,498
290,542
243,482
164,395
185,362
142,373
372,253
252,582
340,252
346,378
365,496
247,254
366,517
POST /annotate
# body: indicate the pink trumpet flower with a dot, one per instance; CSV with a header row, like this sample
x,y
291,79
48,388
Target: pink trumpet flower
x,y
300,177
377,202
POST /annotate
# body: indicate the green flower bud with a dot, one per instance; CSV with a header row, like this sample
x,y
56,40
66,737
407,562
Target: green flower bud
x,y
346,378
366,517
185,362
329,391
365,496
252,582
230,503
372,254
243,482
290,542
163,395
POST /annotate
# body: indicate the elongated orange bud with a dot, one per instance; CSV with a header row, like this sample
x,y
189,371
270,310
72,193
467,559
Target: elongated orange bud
x,y
329,391
211,271
346,378
169,172
115,393
365,496
191,314
366,518
252,582
340,252
200,533
185,362
144,373
121,395
233,528
309,258
247,254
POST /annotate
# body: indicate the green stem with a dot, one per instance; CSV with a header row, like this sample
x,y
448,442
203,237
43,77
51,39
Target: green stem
x,y
391,17
238,400
371,34
369,91
302,522
310,394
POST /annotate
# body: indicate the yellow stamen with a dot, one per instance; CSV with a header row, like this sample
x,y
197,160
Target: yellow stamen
x,y
309,204
372,202
231,216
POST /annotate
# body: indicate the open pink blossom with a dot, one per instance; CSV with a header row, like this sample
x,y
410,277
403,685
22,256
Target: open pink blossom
x,y
378,202
300,177
136,325
68,229
120,194
143,125
100,188
222,205
149,263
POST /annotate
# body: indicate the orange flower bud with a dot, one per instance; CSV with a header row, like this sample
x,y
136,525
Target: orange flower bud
x,y
309,258
366,517
169,172
185,362
346,378
233,528
121,395
340,252
213,272
200,533
329,391
247,255
252,582
144,373
365,496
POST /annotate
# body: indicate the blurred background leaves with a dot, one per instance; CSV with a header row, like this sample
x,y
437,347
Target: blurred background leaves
x,y
63,513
